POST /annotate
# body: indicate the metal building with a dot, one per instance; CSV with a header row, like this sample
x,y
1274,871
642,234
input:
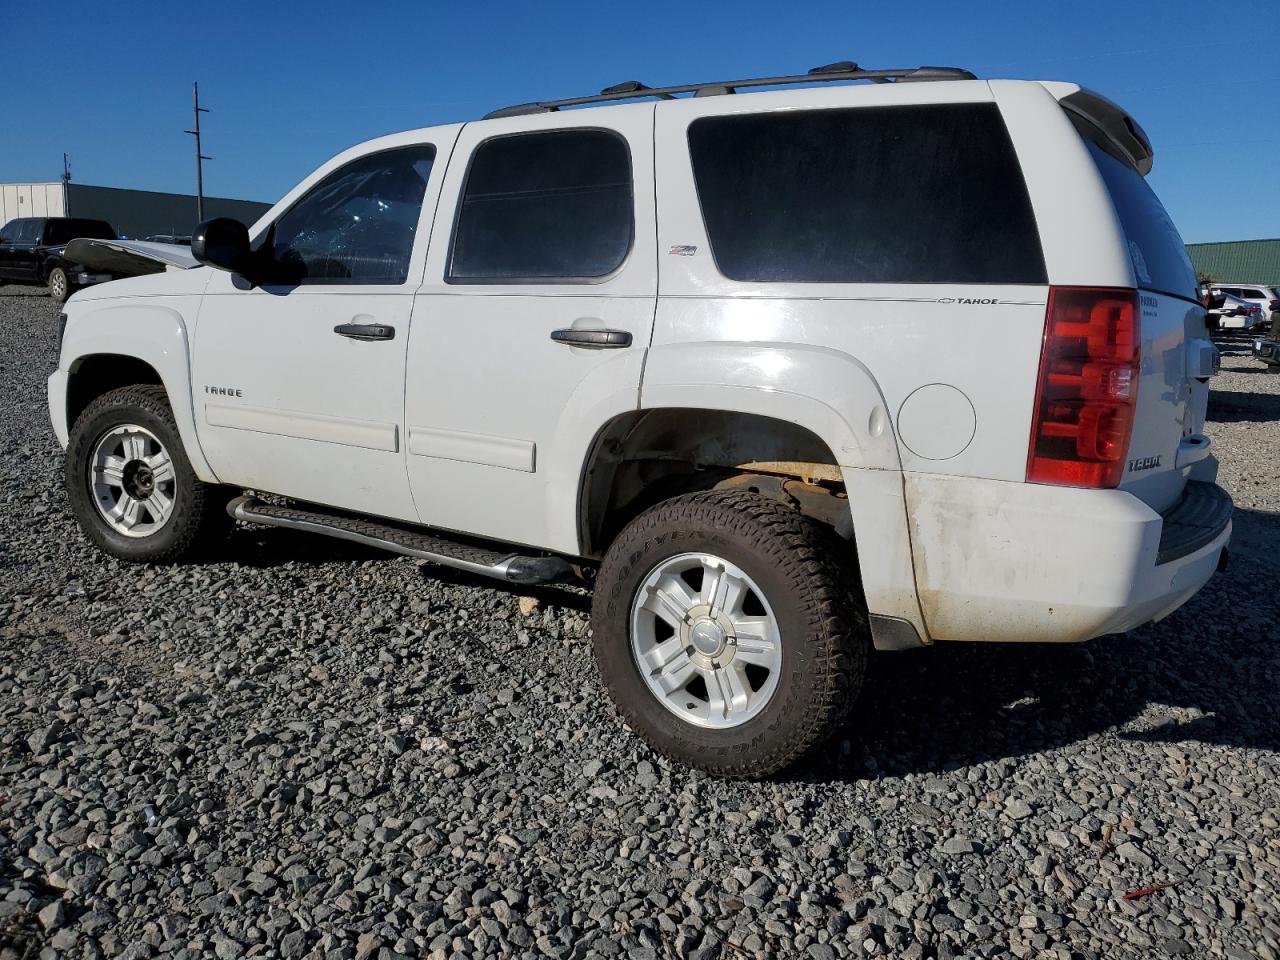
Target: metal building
x,y
133,213
1238,261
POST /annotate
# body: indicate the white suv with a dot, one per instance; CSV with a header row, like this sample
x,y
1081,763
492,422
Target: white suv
x,y
790,374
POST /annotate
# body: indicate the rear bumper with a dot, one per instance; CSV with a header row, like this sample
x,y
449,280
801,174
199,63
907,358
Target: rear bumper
x,y
1000,561
86,278
1266,350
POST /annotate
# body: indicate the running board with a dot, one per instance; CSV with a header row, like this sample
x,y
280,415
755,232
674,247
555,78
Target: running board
x,y
508,566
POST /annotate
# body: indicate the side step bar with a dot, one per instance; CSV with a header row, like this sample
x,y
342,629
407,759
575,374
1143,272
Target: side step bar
x,y
508,566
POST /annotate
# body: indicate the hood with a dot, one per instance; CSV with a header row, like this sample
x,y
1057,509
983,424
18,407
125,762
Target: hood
x,y
130,258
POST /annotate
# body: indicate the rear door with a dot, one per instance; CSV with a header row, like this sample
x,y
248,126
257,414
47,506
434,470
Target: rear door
x,y
1177,356
533,321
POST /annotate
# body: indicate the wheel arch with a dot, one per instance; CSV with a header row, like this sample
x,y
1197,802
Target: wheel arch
x,y
119,345
642,457
805,400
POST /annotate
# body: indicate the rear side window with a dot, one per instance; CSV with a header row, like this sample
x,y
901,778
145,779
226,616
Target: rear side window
x,y
1160,259
553,206
921,194
64,231
30,231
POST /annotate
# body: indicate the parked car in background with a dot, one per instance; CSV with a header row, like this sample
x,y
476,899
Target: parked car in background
x,y
1233,313
31,251
1263,295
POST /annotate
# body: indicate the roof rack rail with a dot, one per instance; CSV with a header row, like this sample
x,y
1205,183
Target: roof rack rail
x,y
634,89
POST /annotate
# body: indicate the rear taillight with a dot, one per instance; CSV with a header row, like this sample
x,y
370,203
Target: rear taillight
x,y
1088,388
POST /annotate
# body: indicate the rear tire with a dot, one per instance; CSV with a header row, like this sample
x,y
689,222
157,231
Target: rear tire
x,y
59,285
749,566
131,485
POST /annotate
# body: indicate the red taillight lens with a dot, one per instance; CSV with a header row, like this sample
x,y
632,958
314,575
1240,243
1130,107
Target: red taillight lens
x,y
1088,388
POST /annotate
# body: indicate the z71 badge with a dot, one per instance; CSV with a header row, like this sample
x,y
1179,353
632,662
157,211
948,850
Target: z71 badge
x,y
1143,463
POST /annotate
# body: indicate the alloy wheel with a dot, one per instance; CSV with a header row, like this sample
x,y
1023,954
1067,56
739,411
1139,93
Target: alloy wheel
x,y
705,640
133,481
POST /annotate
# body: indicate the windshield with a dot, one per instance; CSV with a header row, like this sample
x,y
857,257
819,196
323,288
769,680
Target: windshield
x,y
63,231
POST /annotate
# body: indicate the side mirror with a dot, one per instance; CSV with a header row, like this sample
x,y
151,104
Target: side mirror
x,y
224,243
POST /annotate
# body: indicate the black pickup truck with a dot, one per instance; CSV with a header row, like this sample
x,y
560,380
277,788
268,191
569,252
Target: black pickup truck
x,y
31,251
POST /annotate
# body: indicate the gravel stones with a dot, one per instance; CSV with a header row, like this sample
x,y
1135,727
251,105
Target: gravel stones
x,y
303,749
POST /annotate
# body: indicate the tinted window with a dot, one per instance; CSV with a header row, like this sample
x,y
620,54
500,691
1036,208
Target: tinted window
x,y
544,206
1160,259
1253,293
30,231
891,195
63,231
357,225
10,230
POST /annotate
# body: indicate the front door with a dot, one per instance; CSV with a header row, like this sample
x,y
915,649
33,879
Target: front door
x,y
534,318
299,382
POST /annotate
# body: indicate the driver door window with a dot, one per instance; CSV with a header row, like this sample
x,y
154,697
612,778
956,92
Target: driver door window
x,y
357,225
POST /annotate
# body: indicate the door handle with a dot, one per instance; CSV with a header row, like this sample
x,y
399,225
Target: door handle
x,y
365,331
595,339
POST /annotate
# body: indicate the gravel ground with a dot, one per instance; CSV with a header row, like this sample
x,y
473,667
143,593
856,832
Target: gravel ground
x,y
304,749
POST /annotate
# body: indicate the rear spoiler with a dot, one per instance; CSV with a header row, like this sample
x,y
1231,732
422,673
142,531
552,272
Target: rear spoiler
x,y
1115,126
131,258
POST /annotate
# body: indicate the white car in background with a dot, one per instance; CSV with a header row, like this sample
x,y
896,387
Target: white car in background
x,y
1267,298
1236,313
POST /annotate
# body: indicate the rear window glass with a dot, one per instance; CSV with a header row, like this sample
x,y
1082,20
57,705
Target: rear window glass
x,y
1160,259
63,231
922,194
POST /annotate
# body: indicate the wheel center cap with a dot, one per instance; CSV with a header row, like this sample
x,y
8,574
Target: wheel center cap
x,y
138,480
707,637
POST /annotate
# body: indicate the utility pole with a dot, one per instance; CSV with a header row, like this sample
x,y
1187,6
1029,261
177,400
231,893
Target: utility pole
x,y
200,157
66,169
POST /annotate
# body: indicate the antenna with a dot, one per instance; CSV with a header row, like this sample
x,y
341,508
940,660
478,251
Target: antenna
x,y
200,157
66,169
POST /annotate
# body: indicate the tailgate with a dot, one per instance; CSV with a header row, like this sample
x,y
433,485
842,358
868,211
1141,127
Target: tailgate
x,y
1173,392
1177,357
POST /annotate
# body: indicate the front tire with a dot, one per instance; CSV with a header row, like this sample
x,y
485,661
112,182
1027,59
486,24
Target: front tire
x,y
728,633
131,485
59,285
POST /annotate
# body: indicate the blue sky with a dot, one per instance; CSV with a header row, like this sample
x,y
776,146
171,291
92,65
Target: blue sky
x,y
291,84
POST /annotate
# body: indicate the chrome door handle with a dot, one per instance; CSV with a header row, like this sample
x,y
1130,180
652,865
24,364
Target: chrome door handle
x,y
365,331
595,339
